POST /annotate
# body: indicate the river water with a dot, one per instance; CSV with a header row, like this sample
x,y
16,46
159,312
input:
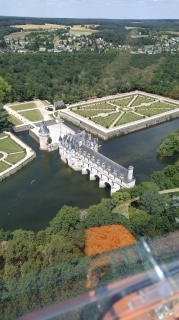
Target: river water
x,y
31,206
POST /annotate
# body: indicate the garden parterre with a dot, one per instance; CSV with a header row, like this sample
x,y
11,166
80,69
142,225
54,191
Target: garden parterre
x,y
124,110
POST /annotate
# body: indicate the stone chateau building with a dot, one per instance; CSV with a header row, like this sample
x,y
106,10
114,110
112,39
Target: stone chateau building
x,y
80,152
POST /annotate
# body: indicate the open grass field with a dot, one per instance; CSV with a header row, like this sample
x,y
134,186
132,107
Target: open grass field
x,y
76,29
173,32
106,121
1,155
16,35
14,158
3,135
14,120
9,146
122,102
80,31
32,115
23,106
140,36
141,99
3,166
130,28
128,117
39,26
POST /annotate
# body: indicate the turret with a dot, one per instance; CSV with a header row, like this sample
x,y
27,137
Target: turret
x,y
130,173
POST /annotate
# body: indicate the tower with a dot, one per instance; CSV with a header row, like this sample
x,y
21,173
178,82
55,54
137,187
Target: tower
x,y
44,134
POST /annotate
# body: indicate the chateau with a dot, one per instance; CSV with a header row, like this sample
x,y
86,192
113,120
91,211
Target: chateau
x,y
80,152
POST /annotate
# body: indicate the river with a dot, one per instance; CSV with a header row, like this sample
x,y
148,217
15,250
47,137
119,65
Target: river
x,y
31,206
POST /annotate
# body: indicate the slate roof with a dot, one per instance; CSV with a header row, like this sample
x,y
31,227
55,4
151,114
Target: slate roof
x,y
122,172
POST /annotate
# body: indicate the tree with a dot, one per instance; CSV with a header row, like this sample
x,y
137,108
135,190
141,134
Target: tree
x,y
153,202
66,219
4,89
121,197
49,140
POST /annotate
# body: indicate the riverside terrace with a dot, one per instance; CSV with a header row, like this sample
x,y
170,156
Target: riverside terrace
x,y
122,113
80,152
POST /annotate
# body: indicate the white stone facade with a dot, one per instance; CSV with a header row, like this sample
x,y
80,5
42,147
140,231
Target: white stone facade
x,y
80,152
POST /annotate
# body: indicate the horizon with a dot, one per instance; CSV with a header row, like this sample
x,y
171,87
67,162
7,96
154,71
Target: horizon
x,y
92,9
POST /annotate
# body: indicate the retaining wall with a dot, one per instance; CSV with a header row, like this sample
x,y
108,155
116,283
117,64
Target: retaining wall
x,y
123,129
34,136
17,168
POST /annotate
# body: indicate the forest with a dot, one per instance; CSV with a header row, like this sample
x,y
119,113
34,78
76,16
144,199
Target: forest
x,y
82,75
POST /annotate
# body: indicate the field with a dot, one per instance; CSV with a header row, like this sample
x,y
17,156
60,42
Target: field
x,y
76,29
9,146
17,35
1,155
130,28
140,36
34,115
23,106
14,158
14,120
128,117
39,26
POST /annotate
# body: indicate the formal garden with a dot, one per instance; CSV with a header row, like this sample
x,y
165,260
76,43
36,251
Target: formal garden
x,y
10,152
120,111
27,110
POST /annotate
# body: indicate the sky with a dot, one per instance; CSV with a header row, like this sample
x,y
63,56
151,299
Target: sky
x,y
111,9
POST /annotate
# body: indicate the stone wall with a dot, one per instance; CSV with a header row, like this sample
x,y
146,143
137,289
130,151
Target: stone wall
x,y
34,136
127,128
21,128
17,168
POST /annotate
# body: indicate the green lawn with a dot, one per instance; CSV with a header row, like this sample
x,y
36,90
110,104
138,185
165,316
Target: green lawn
x,y
141,99
24,106
149,112
8,145
122,102
2,135
14,158
3,166
14,120
106,121
1,155
100,106
34,115
164,105
45,103
127,118
90,113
